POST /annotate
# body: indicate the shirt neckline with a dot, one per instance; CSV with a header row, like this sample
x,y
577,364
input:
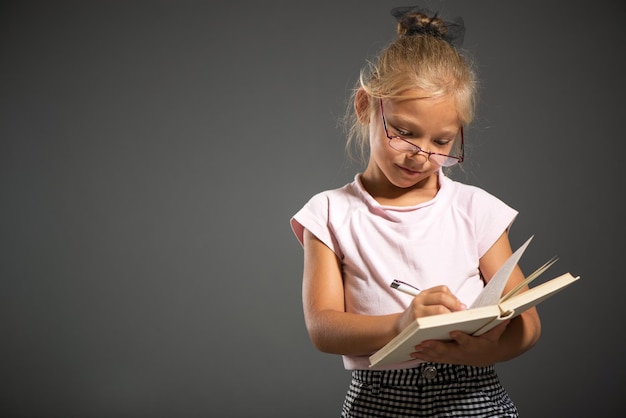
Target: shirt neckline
x,y
441,178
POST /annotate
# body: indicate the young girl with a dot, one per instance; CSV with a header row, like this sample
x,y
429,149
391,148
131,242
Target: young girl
x,y
403,218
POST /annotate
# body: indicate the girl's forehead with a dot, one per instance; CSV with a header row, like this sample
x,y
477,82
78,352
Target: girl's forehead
x,y
440,105
433,111
415,94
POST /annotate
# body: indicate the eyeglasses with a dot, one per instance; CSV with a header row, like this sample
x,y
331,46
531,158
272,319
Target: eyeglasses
x,y
403,145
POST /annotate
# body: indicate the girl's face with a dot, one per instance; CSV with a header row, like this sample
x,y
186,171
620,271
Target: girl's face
x,y
432,124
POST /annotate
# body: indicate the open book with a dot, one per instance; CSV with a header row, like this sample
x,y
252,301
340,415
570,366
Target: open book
x,y
489,310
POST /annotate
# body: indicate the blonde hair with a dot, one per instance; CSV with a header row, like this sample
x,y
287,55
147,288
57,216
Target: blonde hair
x,y
416,60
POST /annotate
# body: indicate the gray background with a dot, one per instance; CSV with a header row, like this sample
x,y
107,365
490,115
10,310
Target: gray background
x,y
152,153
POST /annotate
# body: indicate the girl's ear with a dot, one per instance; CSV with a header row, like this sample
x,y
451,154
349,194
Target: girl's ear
x,y
362,106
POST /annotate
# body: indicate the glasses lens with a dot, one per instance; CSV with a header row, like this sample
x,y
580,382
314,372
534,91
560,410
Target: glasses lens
x,y
401,145
455,155
444,160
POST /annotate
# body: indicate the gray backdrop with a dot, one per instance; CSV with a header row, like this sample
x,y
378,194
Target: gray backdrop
x,y
152,153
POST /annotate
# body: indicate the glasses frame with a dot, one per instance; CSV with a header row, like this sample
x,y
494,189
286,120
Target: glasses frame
x,y
417,149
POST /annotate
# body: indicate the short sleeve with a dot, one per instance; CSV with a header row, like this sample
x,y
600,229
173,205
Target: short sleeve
x,y
314,216
493,217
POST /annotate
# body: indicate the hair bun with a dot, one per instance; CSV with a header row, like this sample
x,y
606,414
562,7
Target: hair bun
x,y
412,23
416,20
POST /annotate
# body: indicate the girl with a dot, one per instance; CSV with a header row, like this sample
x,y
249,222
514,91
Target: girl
x,y
403,218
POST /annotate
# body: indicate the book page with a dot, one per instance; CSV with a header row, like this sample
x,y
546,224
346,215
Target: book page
x,y
493,290
528,279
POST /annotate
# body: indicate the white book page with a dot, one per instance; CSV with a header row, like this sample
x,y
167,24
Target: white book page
x,y
493,290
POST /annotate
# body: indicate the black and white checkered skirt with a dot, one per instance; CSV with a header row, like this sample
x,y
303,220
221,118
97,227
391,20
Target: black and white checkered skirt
x,y
428,390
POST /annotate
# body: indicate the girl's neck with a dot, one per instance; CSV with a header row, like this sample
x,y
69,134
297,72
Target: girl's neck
x,y
387,194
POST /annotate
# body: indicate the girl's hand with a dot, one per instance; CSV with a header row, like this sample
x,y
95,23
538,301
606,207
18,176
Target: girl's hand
x,y
433,301
463,348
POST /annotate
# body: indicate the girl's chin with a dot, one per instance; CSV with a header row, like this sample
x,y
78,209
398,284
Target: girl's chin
x,y
408,178
411,173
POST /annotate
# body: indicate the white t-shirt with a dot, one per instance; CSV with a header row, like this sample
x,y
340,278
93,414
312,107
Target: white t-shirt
x,y
433,243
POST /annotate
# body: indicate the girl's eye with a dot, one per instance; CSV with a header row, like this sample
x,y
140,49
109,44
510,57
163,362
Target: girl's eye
x,y
403,133
439,142
397,131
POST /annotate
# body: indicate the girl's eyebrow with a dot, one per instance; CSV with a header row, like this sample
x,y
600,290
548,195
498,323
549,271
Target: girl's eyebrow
x,y
405,125
417,129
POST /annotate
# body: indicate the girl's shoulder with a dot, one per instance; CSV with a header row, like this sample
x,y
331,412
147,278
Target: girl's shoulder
x,y
348,193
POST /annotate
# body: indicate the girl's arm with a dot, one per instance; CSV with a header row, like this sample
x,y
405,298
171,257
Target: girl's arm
x,y
331,328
